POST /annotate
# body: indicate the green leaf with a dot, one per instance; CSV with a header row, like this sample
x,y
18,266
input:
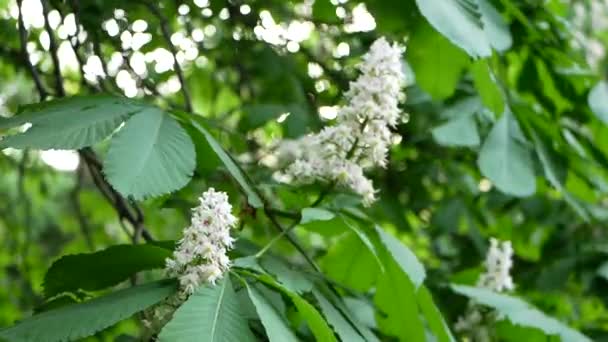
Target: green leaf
x,y
252,197
313,318
212,313
434,319
436,62
256,115
505,158
403,256
276,328
341,326
315,214
99,270
457,132
519,312
473,25
486,86
350,263
552,174
598,101
150,156
73,322
70,123
309,313
293,280
494,26
395,298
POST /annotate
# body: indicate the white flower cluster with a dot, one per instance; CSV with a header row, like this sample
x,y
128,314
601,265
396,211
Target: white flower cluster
x,y
362,136
498,264
200,256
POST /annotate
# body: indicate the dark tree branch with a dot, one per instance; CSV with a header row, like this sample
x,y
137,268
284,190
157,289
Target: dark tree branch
x,y
25,57
53,49
164,27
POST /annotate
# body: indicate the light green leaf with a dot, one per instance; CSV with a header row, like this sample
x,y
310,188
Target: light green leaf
x,y
403,256
505,158
341,326
350,263
436,62
433,316
395,298
276,328
551,172
598,101
520,312
484,82
457,132
293,280
150,156
602,271
252,197
309,313
473,25
102,269
212,313
315,214
70,123
313,318
73,322
494,26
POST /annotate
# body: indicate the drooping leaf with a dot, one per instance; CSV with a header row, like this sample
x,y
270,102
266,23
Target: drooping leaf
x,y
212,313
457,132
403,256
505,158
309,313
484,82
341,326
253,198
520,312
433,316
395,298
150,156
70,123
292,279
276,328
436,62
350,263
102,269
73,322
551,172
598,101
316,214
473,25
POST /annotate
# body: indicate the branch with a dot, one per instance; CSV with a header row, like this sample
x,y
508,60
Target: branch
x,y
164,27
53,49
25,57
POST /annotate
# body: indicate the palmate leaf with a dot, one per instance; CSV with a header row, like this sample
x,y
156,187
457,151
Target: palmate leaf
x,y
433,316
99,270
520,312
73,322
506,159
69,123
150,156
276,327
211,314
473,25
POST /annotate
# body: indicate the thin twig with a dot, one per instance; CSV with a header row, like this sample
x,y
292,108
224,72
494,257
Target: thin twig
x,y
53,50
164,27
25,57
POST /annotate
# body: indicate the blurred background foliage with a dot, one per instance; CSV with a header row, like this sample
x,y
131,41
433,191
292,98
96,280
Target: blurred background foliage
x,y
260,71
